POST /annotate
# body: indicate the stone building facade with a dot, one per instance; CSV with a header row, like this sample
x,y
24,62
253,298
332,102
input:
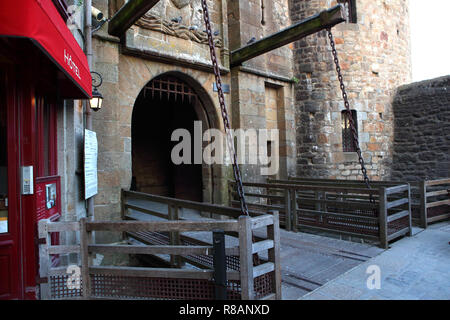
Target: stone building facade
x,y
374,53
169,44
293,89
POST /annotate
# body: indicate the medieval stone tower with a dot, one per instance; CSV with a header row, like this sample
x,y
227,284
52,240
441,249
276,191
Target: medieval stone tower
x,y
374,53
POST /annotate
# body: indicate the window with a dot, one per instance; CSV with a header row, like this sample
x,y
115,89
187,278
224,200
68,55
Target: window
x,y
350,6
347,137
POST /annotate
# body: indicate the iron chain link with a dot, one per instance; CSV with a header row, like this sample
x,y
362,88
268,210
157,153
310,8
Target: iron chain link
x,y
223,109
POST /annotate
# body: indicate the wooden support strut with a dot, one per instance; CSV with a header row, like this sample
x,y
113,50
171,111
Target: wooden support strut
x,y
323,20
128,14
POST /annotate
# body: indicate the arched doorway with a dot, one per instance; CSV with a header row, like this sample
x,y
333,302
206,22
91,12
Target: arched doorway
x,y
167,103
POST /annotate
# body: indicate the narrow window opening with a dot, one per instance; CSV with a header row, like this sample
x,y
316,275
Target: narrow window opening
x,y
350,6
347,136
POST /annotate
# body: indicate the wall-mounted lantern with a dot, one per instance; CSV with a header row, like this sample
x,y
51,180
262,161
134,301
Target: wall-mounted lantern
x,y
97,98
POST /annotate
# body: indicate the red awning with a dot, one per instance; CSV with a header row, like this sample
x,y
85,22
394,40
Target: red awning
x,y
39,21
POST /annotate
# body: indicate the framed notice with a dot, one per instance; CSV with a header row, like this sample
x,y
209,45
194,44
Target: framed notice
x,y
90,164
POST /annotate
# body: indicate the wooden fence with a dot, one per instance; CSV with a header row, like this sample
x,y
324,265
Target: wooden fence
x,y
430,198
244,279
345,209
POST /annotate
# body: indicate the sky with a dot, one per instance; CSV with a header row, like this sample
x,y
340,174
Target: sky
x,y
430,38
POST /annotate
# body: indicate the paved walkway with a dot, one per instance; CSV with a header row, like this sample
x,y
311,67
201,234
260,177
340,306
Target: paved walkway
x,y
308,261
415,268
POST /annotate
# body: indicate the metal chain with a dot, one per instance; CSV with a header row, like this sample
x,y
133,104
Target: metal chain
x,y
223,108
349,113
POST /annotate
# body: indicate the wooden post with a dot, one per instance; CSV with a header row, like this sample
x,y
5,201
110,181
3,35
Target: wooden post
x,y
323,20
246,258
423,204
44,259
273,233
220,265
409,210
123,210
382,218
295,225
287,209
127,15
174,236
85,259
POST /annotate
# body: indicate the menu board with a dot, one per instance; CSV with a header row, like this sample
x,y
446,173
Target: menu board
x,y
90,164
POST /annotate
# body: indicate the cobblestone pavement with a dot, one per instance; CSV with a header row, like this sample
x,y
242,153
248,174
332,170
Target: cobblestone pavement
x,y
414,268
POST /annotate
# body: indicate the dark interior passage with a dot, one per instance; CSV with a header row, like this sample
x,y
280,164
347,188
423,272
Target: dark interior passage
x,y
155,117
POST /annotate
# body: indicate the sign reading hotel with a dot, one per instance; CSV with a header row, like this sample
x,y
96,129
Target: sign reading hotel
x,y
90,164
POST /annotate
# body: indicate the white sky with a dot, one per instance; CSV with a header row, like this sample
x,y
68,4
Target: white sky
x,y
430,38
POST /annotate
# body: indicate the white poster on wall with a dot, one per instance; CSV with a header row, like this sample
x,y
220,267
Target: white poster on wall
x,y
90,164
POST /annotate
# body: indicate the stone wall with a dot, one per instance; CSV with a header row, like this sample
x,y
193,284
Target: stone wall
x,y
253,83
374,55
422,130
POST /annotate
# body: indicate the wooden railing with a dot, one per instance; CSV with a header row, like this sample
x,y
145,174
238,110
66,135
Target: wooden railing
x,y
342,208
244,280
434,201
430,198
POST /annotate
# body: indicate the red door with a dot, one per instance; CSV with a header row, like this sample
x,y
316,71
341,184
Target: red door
x,y
10,272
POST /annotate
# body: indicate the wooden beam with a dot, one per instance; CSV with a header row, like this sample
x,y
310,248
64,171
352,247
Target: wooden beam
x,y
128,14
316,23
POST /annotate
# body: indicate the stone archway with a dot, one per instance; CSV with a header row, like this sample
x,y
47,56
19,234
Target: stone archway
x,y
170,101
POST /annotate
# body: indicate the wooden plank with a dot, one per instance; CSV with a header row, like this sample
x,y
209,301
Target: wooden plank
x,y
398,234
147,211
261,221
262,246
423,204
410,230
44,259
438,193
59,271
161,226
439,218
263,269
271,296
128,14
63,226
288,210
316,23
383,218
396,189
63,249
438,182
397,203
438,203
273,233
84,243
156,249
246,258
311,188
397,216
294,212
203,207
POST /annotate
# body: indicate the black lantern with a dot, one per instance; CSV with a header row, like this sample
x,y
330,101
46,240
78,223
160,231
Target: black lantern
x,y
97,98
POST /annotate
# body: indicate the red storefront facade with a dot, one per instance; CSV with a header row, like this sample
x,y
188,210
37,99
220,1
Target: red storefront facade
x,y
41,64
